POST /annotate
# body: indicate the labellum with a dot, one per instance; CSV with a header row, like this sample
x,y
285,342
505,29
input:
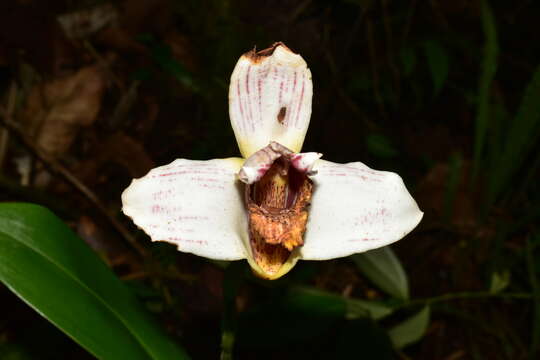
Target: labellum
x,y
277,204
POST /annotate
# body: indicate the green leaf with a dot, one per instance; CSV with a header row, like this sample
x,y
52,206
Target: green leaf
x,y
535,285
411,330
521,140
437,60
366,4
452,185
13,352
44,263
363,339
315,301
164,58
383,268
380,146
489,68
408,60
499,281
273,323
234,276
363,308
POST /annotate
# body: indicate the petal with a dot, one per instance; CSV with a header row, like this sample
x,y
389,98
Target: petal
x,y
259,162
196,205
355,209
270,99
304,162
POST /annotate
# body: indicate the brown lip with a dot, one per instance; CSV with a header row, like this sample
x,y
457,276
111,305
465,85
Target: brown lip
x,y
277,220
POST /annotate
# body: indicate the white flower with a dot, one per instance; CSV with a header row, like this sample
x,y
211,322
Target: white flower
x,y
257,209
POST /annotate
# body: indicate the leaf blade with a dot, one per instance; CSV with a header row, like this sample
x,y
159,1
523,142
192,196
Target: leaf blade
x,y
411,330
437,60
316,301
30,232
384,269
489,68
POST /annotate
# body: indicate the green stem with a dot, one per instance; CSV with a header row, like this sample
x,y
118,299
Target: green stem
x,y
535,337
234,277
227,345
466,295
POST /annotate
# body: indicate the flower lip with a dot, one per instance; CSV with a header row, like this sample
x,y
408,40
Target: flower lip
x,y
277,196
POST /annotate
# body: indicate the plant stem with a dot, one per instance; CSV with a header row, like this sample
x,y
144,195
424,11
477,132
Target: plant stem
x,y
466,295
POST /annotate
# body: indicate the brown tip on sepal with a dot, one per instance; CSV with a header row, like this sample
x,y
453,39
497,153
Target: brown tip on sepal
x,y
257,56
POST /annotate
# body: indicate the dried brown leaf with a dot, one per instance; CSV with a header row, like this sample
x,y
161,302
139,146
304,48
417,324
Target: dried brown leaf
x,y
57,109
86,22
119,149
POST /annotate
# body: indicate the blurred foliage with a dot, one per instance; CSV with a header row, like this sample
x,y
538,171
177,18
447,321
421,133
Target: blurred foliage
x,y
444,93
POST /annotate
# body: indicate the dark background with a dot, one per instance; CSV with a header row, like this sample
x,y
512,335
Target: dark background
x,y
445,93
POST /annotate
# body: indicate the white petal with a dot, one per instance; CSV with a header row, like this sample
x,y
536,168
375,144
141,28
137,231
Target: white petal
x,y
304,162
270,99
355,209
196,205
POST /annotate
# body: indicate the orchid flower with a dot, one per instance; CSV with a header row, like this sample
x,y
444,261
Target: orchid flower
x,y
277,205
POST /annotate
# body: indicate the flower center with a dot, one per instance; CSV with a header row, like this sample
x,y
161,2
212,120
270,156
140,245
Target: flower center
x,y
277,209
